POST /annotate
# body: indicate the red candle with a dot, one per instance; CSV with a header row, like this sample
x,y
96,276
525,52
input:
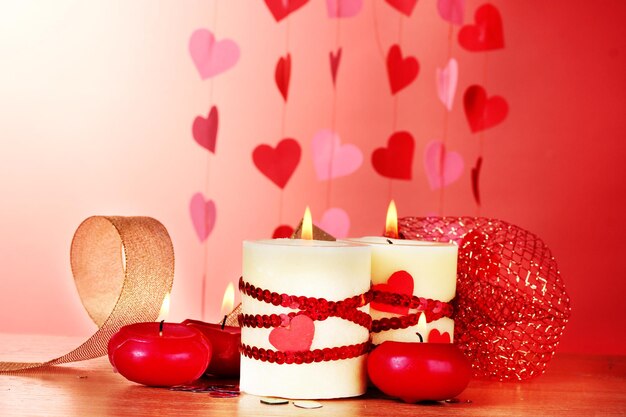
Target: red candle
x,y
159,354
225,341
419,371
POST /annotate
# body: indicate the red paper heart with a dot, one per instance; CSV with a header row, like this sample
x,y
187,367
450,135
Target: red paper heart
x,y
282,231
283,74
475,179
205,130
401,71
400,282
283,8
486,34
295,337
435,337
278,164
396,159
335,58
404,6
483,112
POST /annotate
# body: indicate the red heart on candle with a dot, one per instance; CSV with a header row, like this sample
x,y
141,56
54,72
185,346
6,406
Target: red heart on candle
x,y
296,336
400,282
401,71
282,75
486,34
436,337
278,164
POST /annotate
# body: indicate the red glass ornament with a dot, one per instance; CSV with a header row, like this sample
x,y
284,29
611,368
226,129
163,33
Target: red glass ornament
x,y
225,341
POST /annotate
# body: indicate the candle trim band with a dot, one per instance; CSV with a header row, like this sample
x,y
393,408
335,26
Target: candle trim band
x,y
433,309
306,356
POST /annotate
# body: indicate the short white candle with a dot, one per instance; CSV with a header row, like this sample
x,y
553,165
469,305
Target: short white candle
x,y
311,268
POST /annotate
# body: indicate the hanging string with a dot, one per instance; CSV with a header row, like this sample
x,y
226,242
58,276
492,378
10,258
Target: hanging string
x,y
333,121
284,116
444,140
481,136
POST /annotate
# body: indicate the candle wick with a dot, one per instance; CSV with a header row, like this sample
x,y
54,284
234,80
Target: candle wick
x,y
389,241
224,321
161,327
420,336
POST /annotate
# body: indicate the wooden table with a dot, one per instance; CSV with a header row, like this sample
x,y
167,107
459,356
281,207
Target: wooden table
x,y
574,385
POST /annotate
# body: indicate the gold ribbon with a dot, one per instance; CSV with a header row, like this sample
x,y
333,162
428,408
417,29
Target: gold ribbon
x,y
123,268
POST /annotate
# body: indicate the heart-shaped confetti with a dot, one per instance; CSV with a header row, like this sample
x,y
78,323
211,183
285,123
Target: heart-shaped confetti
x,y
212,57
483,112
335,222
204,130
403,6
335,59
296,336
331,159
451,11
343,8
401,71
442,167
283,74
486,34
278,164
396,159
203,215
282,231
400,282
447,79
436,337
280,9
476,180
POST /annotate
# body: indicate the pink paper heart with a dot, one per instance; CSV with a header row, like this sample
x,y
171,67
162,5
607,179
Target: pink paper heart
x,y
451,10
203,214
343,8
205,130
296,336
212,57
442,167
336,222
447,79
331,159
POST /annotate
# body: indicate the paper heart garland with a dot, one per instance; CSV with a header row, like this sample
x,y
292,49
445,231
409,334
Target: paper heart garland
x,y
403,6
331,159
335,222
204,131
483,112
343,8
400,282
212,57
434,336
203,215
278,164
447,79
335,59
401,71
476,180
396,159
442,167
283,74
297,336
280,9
451,10
282,231
486,34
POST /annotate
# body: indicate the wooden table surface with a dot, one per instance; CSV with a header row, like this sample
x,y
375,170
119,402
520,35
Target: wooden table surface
x,y
574,385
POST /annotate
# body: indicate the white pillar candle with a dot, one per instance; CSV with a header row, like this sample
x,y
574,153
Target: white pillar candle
x,y
432,267
334,271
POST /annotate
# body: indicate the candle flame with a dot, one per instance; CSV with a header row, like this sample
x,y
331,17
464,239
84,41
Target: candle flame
x,y
422,330
229,299
165,308
391,224
307,225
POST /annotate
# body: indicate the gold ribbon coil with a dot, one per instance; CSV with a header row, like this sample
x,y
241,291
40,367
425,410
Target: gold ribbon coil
x,y
123,268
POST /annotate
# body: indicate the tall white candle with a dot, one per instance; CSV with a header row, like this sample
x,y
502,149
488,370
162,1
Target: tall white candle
x,y
334,271
431,269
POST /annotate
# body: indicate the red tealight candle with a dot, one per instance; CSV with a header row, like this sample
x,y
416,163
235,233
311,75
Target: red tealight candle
x,y
159,354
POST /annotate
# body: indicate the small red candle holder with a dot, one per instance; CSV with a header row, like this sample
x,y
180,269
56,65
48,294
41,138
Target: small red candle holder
x,y
225,341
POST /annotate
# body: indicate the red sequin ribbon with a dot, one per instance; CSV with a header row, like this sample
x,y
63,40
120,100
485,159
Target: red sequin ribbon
x,y
433,309
318,309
